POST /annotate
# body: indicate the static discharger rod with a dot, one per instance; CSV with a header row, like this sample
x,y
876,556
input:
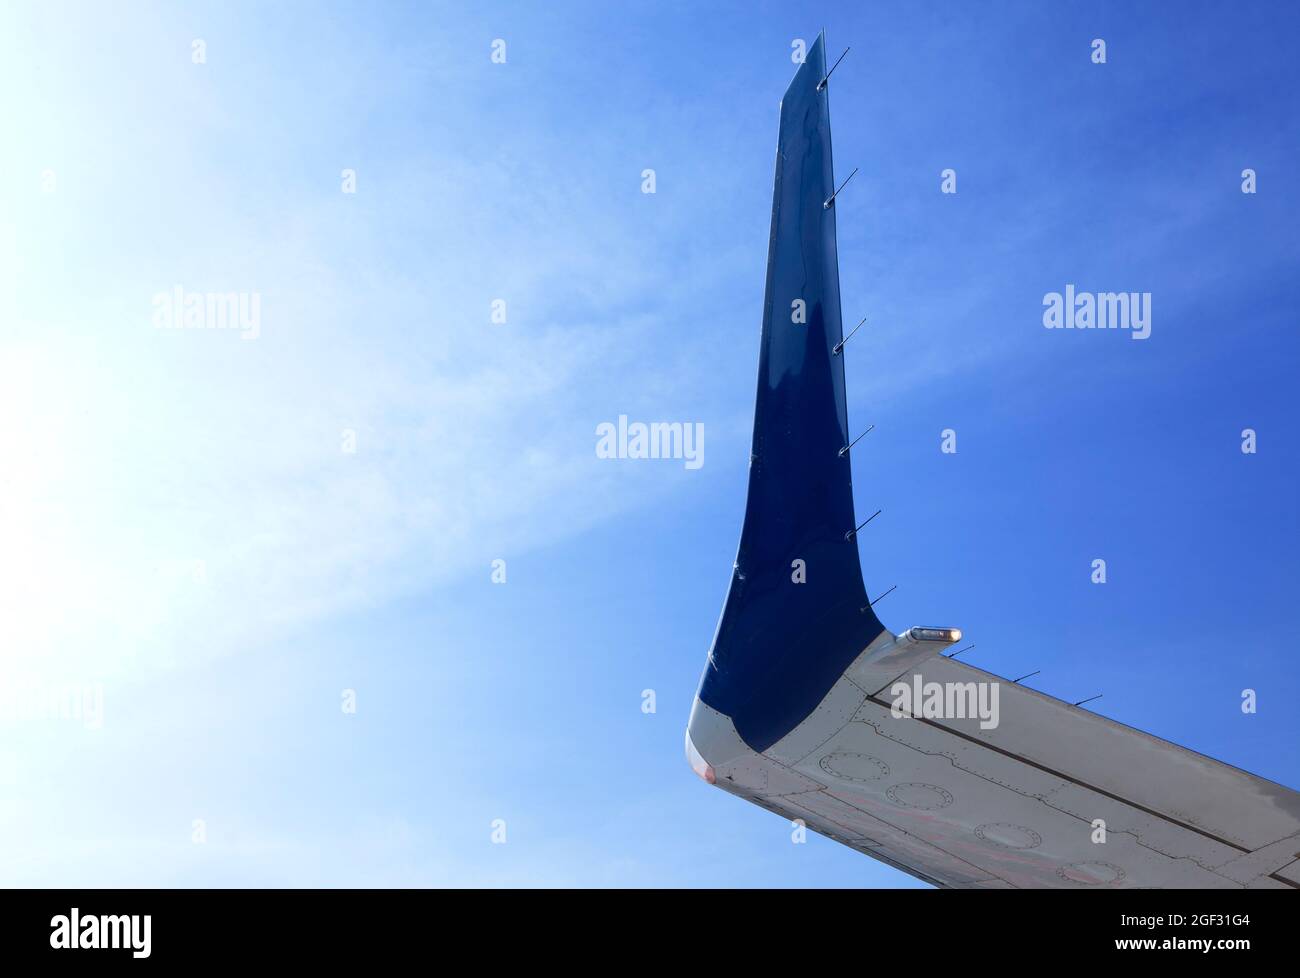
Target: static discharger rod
x,y
822,84
885,595
831,199
854,532
1027,675
840,345
960,651
845,450
1090,699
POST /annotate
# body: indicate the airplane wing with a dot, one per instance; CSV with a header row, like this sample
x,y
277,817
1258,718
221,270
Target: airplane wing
x,y
811,708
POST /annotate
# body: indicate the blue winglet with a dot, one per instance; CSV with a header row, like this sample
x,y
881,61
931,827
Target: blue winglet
x,y
781,645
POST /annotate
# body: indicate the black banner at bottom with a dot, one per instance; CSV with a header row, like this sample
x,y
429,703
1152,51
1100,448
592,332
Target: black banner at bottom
x,y
99,929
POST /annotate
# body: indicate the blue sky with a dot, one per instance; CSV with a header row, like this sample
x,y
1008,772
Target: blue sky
x,y
181,529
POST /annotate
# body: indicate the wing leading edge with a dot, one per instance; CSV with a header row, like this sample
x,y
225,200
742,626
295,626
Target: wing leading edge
x,y
794,711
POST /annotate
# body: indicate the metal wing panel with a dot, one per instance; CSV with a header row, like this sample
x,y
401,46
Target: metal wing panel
x,y
1208,796
965,811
